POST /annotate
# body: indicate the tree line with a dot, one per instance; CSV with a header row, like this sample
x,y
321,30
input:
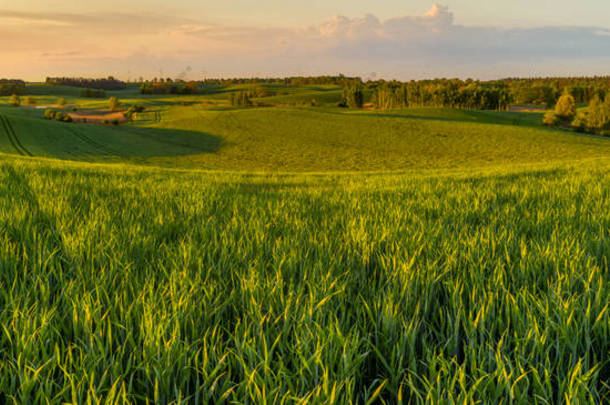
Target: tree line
x,y
169,86
109,83
8,87
338,80
452,93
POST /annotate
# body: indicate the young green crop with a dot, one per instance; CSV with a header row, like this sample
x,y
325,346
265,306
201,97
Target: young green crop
x,y
478,273
120,283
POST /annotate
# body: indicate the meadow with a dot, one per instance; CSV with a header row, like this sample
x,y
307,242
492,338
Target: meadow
x,y
209,254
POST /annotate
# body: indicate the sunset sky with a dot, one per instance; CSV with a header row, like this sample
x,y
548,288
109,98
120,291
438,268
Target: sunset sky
x,y
391,38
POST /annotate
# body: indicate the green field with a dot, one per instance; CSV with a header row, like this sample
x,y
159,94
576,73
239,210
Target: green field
x,y
296,254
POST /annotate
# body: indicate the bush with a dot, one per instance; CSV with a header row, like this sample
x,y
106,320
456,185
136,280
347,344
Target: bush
x,y
62,117
579,124
550,119
57,116
566,107
61,102
115,122
15,100
29,100
114,103
136,108
49,114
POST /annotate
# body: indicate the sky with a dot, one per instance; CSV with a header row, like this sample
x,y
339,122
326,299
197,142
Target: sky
x,y
402,39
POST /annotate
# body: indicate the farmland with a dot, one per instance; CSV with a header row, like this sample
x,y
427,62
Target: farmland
x,y
301,254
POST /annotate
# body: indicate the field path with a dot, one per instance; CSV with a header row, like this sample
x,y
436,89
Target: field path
x,y
93,143
12,137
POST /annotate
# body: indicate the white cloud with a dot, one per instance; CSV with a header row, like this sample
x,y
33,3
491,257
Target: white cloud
x,y
404,47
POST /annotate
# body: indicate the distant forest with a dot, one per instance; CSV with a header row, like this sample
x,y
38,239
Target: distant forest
x,y
10,87
109,83
456,93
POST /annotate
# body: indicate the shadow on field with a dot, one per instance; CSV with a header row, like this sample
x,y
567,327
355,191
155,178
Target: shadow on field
x,y
37,222
133,141
473,117
177,141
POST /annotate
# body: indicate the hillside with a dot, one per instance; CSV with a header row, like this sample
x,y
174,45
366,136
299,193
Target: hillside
x,y
297,254
202,132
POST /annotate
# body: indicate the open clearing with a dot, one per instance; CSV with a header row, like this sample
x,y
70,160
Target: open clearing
x,y
212,254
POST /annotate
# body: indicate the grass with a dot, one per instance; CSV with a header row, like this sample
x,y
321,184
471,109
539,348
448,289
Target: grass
x,y
127,283
189,132
477,273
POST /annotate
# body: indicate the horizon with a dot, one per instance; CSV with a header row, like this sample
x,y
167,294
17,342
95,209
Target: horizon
x,y
393,41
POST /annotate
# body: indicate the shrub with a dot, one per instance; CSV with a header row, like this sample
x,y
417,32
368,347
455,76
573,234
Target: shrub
x,y
61,102
57,116
62,117
49,114
114,103
550,119
136,108
15,100
579,123
29,100
566,107
115,122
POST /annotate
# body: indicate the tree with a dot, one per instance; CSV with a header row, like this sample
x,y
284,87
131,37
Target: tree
x,y
353,96
566,106
598,118
114,103
240,98
15,100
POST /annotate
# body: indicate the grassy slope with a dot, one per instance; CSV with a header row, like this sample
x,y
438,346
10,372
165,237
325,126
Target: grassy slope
x,y
160,284
464,285
301,139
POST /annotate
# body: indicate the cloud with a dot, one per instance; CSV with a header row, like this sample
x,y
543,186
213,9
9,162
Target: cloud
x,y
404,47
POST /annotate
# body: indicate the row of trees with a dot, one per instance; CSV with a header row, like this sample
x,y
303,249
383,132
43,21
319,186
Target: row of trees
x,y
442,93
337,80
109,83
548,90
171,87
9,87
